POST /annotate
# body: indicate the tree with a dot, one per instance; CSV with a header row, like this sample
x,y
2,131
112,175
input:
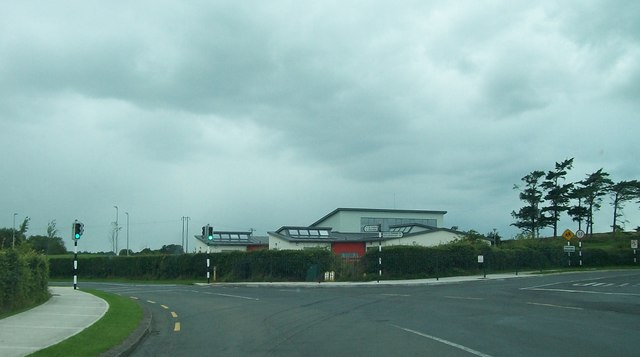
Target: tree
x,y
557,193
494,237
530,218
579,212
51,229
171,249
47,245
595,187
622,192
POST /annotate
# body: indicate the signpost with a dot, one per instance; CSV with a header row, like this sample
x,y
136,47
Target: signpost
x,y
371,228
568,234
394,234
569,248
481,262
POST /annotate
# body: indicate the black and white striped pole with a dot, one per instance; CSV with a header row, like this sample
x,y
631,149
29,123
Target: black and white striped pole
x,y
379,256
76,231
208,232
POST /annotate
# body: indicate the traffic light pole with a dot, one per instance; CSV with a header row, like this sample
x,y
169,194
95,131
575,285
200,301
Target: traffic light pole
x,y
77,228
75,264
208,265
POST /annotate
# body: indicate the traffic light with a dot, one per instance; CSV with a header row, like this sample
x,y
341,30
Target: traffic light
x,y
78,229
210,233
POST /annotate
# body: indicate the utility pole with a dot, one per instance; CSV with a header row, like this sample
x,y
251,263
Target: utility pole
x,y
182,237
186,250
13,232
127,213
117,229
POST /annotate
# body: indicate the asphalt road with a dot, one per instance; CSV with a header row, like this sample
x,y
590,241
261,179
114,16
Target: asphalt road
x,y
577,314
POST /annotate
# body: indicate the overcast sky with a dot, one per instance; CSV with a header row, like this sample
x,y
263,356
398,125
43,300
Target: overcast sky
x,y
269,113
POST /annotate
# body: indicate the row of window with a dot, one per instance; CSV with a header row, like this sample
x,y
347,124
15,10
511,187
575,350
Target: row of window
x,y
307,233
230,236
386,223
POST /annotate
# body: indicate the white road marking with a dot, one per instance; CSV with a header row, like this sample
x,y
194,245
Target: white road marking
x,y
558,306
464,298
233,296
581,291
449,343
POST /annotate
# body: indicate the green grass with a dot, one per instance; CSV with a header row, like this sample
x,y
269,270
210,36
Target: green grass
x,y
121,319
17,311
133,281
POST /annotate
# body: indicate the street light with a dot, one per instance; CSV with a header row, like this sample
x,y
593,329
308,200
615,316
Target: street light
x,y
117,229
127,213
13,232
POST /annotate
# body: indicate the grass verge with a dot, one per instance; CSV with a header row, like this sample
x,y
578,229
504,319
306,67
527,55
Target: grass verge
x,y
112,329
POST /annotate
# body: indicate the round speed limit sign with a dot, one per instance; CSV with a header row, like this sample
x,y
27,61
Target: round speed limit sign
x,y
580,234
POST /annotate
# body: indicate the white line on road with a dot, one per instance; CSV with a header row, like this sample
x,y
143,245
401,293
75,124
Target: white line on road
x,y
581,291
558,306
449,343
233,296
464,298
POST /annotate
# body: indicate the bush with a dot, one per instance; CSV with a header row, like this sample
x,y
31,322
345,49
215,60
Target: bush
x,y
263,265
24,279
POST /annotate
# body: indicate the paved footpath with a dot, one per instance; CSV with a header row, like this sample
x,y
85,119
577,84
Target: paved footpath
x,y
67,313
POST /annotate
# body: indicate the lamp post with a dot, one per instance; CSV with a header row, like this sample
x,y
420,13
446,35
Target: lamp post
x,y
127,213
117,229
13,232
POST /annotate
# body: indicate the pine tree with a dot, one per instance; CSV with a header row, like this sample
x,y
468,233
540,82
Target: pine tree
x,y
557,193
530,218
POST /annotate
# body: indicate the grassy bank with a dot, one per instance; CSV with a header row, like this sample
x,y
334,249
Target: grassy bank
x,y
111,330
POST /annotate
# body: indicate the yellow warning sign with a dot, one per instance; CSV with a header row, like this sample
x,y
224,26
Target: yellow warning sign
x,y
567,234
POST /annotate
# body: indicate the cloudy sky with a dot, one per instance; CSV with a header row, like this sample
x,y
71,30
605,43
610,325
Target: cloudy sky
x,y
269,113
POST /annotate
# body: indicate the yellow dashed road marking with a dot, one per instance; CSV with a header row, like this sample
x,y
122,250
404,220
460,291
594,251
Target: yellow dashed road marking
x,y
174,314
165,307
151,302
176,327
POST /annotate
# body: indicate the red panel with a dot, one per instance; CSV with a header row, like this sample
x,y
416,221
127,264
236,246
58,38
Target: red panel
x,y
341,248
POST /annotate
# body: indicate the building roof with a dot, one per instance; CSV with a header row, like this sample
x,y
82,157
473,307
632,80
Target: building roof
x,y
320,235
335,211
409,229
234,238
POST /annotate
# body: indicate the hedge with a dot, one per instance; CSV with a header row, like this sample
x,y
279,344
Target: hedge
x,y
23,279
263,265
399,262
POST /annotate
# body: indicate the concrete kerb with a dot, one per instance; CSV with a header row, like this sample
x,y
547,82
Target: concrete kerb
x,y
131,342
335,284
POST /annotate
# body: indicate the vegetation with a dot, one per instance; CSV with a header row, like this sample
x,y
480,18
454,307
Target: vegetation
x,y
24,279
111,330
398,262
547,196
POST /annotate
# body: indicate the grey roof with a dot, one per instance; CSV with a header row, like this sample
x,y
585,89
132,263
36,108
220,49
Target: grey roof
x,y
374,210
330,237
234,238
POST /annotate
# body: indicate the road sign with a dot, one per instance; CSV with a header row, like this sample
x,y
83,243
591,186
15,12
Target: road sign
x,y
580,233
569,248
634,244
480,258
371,228
393,234
567,234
